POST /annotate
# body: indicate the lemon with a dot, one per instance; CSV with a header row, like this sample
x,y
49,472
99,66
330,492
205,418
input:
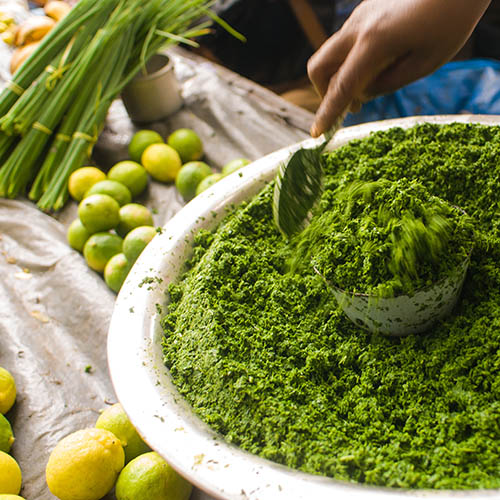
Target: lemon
x,y
149,476
130,174
115,420
10,475
116,270
82,179
11,497
6,436
100,247
207,182
187,143
136,241
7,390
234,165
77,235
189,176
84,465
99,212
140,141
133,215
162,162
115,189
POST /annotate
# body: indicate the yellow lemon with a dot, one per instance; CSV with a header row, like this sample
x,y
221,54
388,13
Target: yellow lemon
x,y
6,435
189,176
234,165
207,182
7,390
99,248
131,174
10,475
133,215
77,235
115,419
85,465
136,241
187,143
149,476
82,179
11,497
141,140
115,189
115,273
162,162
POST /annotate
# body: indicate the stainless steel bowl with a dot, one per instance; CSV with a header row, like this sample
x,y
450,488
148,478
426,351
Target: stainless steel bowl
x,y
142,382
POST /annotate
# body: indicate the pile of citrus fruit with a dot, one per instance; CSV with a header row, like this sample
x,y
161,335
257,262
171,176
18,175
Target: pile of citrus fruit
x,y
178,160
10,473
88,463
111,230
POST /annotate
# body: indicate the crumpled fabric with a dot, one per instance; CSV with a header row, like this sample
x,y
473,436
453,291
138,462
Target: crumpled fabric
x,y
470,86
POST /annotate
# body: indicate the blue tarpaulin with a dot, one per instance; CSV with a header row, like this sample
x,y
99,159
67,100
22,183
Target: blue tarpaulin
x,y
471,86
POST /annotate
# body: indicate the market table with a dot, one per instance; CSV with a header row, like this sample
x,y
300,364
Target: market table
x,y
54,310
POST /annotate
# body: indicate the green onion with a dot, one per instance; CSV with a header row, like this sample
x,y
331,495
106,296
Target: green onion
x,y
91,54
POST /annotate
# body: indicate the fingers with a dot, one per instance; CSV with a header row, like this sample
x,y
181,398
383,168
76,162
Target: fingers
x,y
347,86
327,60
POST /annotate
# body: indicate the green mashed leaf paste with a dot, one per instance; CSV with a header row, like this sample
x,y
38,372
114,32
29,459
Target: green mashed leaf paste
x,y
266,357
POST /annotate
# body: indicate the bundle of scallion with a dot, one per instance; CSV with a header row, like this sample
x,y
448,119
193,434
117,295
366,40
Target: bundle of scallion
x,y
55,106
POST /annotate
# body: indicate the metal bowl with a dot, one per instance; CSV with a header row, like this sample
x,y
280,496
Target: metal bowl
x,y
142,382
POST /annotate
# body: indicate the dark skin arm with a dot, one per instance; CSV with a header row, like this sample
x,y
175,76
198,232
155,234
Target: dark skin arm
x,y
384,45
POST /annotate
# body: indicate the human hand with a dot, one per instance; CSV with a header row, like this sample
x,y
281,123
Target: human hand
x,y
384,45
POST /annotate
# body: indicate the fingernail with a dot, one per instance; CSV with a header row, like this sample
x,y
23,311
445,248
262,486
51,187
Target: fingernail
x,y
314,131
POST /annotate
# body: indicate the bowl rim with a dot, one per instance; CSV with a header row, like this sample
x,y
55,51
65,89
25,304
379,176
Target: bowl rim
x,y
141,381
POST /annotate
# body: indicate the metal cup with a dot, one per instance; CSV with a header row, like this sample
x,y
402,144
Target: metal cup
x,y
403,314
155,93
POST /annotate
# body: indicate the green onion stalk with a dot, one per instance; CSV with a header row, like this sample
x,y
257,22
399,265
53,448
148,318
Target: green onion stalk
x,y
27,108
96,51
19,169
50,46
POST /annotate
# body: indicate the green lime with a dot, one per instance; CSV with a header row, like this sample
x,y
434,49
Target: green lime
x,y
115,420
84,465
136,241
207,182
149,476
115,272
140,141
189,176
99,212
162,162
131,174
77,235
6,435
133,215
100,247
7,390
82,179
234,165
115,189
10,475
187,143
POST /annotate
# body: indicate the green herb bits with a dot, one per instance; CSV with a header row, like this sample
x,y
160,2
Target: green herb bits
x,y
267,358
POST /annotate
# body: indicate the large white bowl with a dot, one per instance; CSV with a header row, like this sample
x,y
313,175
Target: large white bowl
x,y
142,382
